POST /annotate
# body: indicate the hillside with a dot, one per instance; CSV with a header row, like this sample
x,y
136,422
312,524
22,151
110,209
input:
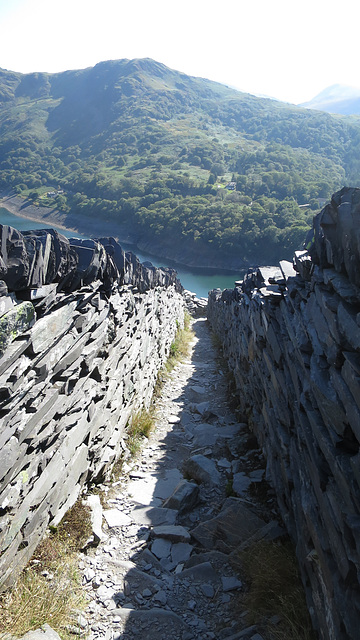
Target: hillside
x,y
152,151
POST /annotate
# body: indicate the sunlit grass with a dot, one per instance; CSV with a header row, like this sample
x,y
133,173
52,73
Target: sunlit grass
x,y
180,347
140,427
49,589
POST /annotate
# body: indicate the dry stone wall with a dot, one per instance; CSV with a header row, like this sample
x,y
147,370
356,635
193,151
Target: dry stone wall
x,y
292,339
84,330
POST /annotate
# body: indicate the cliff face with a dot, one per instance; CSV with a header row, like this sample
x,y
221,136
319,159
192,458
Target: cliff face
x,y
84,330
292,339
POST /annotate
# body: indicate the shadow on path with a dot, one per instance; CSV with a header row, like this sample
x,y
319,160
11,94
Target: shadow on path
x,y
164,568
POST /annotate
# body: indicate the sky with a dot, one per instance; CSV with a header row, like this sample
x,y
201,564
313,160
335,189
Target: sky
x,y
285,49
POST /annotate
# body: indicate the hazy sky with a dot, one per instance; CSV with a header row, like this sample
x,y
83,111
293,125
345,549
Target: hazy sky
x,y
288,50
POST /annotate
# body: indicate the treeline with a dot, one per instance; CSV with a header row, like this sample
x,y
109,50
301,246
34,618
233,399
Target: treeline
x,y
229,221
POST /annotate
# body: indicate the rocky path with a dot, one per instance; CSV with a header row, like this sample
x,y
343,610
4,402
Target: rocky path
x,y
163,568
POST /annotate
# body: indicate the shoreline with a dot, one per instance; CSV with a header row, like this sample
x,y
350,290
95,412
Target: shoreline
x,y
14,207
19,207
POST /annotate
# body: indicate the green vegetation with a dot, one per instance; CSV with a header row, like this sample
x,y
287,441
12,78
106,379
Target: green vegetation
x,y
140,427
274,588
180,347
143,422
49,589
152,149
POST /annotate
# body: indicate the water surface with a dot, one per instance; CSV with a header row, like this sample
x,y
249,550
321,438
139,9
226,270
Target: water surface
x,y
200,281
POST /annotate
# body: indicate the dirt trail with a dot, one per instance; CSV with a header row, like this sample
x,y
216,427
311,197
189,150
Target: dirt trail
x,y
169,531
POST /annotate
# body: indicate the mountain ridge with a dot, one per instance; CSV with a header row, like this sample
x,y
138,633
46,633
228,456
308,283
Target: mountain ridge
x,y
164,155
337,98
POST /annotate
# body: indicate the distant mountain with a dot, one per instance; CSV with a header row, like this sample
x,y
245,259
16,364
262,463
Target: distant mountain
x,y
338,98
187,168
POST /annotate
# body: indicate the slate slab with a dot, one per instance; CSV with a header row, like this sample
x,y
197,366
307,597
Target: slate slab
x,y
142,490
230,583
161,548
203,572
232,526
165,621
93,501
202,470
116,518
45,633
165,486
184,497
153,516
181,552
241,483
52,326
175,533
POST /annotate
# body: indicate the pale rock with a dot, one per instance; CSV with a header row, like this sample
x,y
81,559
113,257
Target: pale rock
x,y
175,533
172,419
160,597
241,483
153,516
116,518
208,590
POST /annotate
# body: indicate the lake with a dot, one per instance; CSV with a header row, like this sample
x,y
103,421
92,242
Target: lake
x,y
200,281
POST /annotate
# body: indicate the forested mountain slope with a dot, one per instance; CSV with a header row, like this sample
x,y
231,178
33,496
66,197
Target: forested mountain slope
x,y
154,150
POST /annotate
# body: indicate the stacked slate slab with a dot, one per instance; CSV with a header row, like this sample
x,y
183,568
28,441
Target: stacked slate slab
x,y
291,336
84,330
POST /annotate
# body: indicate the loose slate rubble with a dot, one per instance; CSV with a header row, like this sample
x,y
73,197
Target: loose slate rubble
x,y
174,585
295,355
140,580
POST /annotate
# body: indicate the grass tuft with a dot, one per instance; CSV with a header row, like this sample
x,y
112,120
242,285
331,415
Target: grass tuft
x,y
275,589
49,589
179,348
140,427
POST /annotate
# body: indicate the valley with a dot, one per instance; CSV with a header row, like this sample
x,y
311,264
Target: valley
x,y
185,168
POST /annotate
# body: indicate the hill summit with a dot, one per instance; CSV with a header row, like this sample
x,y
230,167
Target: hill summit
x,y
184,167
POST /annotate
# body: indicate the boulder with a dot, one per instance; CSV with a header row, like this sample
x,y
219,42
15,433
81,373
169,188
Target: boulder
x,y
202,470
231,527
184,497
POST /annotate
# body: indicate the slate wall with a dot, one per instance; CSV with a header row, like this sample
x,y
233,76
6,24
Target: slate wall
x,y
292,339
84,330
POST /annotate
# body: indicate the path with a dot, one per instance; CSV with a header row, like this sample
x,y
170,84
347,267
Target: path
x,y
163,569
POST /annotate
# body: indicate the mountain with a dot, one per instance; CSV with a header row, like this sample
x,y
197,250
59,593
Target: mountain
x,y
339,98
186,168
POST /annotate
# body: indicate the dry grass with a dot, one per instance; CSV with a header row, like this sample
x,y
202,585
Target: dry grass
x,y
179,350
275,589
49,589
180,347
141,425
36,600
